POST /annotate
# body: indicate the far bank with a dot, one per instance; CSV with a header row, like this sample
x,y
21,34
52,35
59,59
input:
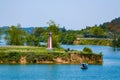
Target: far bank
x,y
93,41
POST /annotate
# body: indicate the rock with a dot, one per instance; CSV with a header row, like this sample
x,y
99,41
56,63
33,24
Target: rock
x,y
23,60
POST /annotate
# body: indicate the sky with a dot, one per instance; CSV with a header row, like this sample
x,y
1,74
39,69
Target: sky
x,y
73,14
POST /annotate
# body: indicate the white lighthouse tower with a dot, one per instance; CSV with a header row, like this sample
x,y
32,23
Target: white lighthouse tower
x,y
50,42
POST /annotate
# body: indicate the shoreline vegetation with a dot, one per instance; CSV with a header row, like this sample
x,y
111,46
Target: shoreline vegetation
x,y
26,41
107,34
93,41
39,55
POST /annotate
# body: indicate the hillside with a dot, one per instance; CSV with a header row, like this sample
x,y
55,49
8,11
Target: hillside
x,y
113,25
105,30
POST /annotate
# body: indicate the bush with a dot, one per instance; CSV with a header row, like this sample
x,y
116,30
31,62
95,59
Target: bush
x,y
30,57
88,50
14,56
8,57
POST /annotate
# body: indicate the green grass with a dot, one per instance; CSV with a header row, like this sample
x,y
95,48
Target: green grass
x,y
33,54
14,53
27,49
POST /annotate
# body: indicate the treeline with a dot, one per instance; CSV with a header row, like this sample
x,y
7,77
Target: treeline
x,y
104,42
109,30
15,35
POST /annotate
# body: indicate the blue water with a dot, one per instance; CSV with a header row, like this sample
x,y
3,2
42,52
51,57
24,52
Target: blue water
x,y
110,70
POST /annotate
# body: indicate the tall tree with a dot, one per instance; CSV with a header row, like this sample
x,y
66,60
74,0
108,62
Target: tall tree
x,y
38,31
97,31
32,40
55,41
54,28
15,35
68,38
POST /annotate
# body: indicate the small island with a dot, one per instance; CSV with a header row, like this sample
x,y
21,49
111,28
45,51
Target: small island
x,y
38,55
25,48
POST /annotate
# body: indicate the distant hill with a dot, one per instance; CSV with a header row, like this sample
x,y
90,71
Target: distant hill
x,y
109,28
112,26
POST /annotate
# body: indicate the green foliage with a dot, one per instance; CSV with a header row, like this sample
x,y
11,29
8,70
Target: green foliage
x,y
40,34
95,42
14,56
116,42
30,58
53,27
88,50
31,40
114,25
35,38
101,54
55,41
38,31
55,33
15,35
97,31
10,56
67,38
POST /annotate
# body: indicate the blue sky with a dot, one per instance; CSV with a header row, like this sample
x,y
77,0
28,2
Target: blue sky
x,y
73,14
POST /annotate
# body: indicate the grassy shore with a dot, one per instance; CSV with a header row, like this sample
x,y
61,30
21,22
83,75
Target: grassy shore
x,y
30,54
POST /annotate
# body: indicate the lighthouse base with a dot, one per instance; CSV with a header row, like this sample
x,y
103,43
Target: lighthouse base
x,y
49,49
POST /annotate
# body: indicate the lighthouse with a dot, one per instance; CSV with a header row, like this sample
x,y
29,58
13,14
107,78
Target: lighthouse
x,y
50,42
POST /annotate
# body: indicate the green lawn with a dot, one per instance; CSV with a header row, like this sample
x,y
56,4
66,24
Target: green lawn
x,y
27,49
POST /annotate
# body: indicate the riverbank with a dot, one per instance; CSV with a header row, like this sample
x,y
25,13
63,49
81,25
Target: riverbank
x,y
93,41
29,54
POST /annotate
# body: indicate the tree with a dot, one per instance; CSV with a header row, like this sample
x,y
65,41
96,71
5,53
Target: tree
x,y
40,34
55,33
31,40
15,35
114,25
38,31
88,50
97,31
53,27
68,38
118,42
55,41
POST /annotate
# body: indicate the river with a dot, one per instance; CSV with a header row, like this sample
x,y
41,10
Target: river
x,y
110,70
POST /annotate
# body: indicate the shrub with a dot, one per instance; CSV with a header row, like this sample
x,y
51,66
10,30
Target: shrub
x,y
30,57
88,50
14,56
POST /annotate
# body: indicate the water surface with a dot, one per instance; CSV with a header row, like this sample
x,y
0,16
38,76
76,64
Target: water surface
x,y
110,70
